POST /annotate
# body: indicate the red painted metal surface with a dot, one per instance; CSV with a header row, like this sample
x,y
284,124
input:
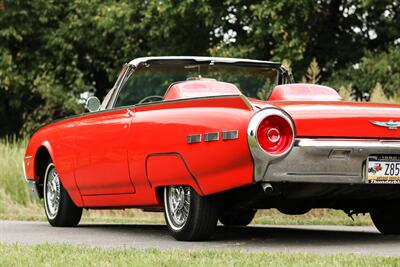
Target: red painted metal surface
x,y
119,158
58,139
169,169
101,150
217,165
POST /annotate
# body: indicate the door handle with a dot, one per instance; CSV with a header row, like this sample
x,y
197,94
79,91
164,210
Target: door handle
x,y
130,113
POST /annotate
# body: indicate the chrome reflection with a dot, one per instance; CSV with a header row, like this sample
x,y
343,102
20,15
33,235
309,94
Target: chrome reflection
x,y
261,158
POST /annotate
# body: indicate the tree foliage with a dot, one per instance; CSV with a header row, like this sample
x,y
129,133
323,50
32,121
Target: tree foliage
x,y
377,94
313,74
51,51
373,70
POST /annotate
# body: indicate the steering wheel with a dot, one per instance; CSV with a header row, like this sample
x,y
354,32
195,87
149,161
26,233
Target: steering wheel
x,y
150,97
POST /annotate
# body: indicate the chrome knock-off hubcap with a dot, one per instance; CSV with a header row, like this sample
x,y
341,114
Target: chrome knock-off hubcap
x,y
178,205
52,192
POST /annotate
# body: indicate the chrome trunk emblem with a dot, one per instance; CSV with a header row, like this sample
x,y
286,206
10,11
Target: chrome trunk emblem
x,y
391,125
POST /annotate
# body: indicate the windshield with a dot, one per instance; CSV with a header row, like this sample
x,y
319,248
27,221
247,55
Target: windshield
x,y
153,79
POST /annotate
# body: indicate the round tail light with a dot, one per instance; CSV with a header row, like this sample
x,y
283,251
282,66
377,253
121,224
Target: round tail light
x,y
275,135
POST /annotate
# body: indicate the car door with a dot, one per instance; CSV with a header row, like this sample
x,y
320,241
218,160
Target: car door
x,y
101,163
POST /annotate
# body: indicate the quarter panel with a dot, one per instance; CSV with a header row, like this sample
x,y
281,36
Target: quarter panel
x,y
217,165
169,169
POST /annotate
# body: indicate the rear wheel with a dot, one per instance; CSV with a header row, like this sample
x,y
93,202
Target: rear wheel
x,y
189,217
386,220
237,218
59,208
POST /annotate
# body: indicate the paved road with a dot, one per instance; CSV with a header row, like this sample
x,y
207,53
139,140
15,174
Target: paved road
x,y
317,239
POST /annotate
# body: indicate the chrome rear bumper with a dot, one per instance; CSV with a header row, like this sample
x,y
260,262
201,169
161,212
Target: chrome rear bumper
x,y
324,161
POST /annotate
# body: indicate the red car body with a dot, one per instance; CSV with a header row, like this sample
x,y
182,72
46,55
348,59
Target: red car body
x,y
200,136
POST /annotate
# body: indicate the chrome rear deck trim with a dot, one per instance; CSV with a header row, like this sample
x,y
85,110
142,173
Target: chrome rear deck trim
x,y
347,143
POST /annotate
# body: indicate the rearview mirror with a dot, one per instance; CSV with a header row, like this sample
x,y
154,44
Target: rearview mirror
x,y
93,104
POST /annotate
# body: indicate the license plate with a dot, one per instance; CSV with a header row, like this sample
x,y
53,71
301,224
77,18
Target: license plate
x,y
383,170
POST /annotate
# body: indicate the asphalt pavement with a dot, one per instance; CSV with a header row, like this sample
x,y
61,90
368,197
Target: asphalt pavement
x,y
268,238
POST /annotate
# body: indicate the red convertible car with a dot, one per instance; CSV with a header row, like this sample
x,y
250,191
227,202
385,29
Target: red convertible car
x,y
207,139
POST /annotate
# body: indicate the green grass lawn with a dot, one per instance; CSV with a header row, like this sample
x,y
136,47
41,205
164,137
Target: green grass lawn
x,y
67,255
16,203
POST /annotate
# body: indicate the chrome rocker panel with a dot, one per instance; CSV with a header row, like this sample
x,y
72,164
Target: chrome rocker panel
x,y
324,161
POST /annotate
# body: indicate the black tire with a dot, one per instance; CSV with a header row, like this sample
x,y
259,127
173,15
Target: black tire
x,y
386,220
61,213
201,219
237,218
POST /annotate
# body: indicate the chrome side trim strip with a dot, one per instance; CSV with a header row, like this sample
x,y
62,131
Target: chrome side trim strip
x,y
230,135
247,102
208,137
193,138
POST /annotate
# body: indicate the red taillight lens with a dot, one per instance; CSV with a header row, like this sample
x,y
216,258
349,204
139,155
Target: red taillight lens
x,y
275,135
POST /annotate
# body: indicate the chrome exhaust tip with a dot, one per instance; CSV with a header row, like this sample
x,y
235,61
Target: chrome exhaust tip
x,y
267,187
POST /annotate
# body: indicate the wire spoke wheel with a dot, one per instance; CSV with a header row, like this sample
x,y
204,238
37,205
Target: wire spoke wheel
x,y
189,216
52,192
178,199
59,207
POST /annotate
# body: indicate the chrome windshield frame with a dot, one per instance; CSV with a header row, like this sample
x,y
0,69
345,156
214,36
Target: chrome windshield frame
x,y
136,63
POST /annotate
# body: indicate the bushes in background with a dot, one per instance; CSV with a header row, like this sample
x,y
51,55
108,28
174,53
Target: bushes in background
x,y
376,77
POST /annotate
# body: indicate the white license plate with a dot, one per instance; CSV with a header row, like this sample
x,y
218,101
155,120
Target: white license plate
x,y
383,170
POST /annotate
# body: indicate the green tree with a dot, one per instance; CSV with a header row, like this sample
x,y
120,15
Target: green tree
x,y
346,92
313,74
51,51
337,32
377,95
31,72
374,68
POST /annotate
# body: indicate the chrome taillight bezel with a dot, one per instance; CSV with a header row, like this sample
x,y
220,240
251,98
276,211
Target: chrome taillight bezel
x,y
254,124
261,158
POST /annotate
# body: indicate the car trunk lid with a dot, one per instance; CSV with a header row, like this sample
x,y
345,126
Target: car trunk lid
x,y
343,119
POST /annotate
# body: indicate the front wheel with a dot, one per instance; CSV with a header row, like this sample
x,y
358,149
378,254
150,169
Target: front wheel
x,y
386,220
189,217
59,208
